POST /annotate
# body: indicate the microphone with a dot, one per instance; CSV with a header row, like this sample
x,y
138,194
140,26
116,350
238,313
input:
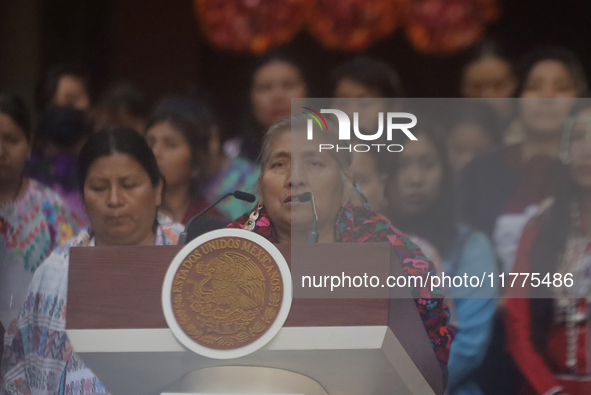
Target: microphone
x,y
247,197
308,197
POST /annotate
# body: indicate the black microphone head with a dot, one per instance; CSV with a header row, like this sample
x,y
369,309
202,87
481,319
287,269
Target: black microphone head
x,y
247,197
305,197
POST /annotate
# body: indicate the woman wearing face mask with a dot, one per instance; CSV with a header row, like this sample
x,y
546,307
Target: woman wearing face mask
x,y
276,80
121,188
61,133
292,165
547,334
420,196
64,85
34,220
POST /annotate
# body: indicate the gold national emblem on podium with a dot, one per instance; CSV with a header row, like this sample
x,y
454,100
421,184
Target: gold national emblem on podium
x,y
227,292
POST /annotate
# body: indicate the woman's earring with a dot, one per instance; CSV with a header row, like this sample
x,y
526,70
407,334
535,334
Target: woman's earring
x,y
249,225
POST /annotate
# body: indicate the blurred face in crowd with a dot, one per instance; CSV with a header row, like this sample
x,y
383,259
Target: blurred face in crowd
x,y
71,92
14,150
489,77
295,166
274,85
121,201
464,142
580,150
362,99
416,185
549,93
172,153
372,183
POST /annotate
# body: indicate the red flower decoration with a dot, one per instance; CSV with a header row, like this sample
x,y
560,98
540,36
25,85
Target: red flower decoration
x,y
440,26
251,25
353,25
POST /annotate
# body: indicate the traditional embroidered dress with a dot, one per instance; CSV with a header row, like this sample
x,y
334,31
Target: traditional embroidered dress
x,y
565,363
59,173
359,225
30,229
38,357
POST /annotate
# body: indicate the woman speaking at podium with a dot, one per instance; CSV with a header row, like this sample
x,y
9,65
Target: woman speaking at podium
x,y
292,166
121,189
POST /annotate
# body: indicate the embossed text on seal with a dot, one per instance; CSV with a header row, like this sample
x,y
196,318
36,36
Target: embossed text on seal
x,y
227,293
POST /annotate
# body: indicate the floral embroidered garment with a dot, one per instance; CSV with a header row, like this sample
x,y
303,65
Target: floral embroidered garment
x,y
30,229
38,357
359,225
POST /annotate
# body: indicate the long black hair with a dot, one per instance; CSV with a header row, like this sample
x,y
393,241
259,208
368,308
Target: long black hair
x,y
254,132
550,243
192,118
112,141
437,224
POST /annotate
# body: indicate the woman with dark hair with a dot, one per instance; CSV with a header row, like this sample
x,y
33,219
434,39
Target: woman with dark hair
x,y
370,172
291,166
121,188
366,77
277,78
546,73
34,220
365,83
420,196
547,334
185,138
60,135
64,85
473,129
178,133
488,74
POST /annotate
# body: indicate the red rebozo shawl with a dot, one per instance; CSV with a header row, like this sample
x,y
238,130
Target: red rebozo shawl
x,y
359,225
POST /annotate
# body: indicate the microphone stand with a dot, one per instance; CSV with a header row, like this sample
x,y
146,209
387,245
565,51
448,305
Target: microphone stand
x,y
313,238
237,194
308,197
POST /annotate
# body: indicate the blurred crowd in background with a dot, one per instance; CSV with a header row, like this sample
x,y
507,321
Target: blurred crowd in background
x,y
501,185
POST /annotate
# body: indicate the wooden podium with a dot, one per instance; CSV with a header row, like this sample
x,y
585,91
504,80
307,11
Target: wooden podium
x,y
348,346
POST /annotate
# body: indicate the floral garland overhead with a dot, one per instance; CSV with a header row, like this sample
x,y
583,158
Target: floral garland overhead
x,y
433,26
440,26
252,25
353,25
